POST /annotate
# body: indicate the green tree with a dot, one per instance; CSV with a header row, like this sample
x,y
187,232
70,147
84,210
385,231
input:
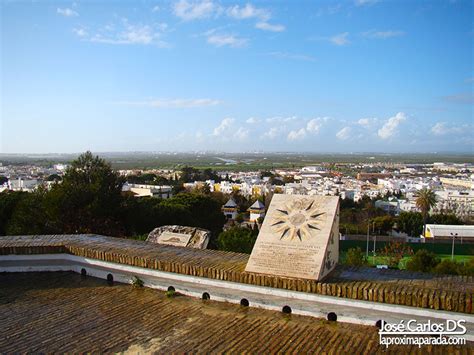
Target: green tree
x,y
423,260
204,212
142,215
448,267
205,189
237,239
54,177
442,218
394,252
29,217
8,203
88,200
355,257
410,223
383,224
239,218
425,200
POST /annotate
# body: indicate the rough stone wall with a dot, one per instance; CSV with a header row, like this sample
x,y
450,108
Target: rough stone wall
x,y
450,293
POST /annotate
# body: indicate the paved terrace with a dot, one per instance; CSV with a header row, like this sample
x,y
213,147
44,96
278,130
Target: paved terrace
x,y
386,286
64,312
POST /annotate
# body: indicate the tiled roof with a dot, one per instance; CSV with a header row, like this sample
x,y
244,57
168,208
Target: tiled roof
x,y
230,204
257,205
62,312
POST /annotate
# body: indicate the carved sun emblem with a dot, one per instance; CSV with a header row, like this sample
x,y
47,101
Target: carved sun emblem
x,y
296,220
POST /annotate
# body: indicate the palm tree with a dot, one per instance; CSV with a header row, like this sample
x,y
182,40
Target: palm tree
x,y
425,200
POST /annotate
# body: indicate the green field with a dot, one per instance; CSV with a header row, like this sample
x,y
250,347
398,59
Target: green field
x,y
380,260
233,161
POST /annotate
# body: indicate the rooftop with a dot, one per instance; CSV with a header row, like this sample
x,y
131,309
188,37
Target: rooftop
x,y
65,312
450,293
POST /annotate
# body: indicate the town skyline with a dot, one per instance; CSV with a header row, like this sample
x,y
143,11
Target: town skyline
x,y
229,76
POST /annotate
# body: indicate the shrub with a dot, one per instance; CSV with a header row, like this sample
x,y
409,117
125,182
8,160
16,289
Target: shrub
x,y
395,251
237,239
355,257
170,293
455,268
448,267
137,282
469,267
239,218
423,260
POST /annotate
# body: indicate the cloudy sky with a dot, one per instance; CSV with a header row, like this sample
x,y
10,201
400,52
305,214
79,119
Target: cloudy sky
x,y
335,76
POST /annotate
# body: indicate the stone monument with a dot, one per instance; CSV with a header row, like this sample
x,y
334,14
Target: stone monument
x,y
299,237
180,236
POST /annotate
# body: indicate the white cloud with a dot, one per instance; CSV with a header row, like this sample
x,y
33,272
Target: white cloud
x,y
315,124
127,33
365,2
66,12
297,134
155,9
340,39
439,129
221,40
173,103
265,26
252,120
241,134
280,124
223,127
367,122
272,133
442,128
80,32
364,121
344,133
390,127
226,131
193,10
373,34
248,11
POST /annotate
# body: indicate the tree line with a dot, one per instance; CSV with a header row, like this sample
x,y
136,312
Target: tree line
x,y
90,200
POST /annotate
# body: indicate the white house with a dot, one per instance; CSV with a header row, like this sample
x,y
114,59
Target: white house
x,y
230,209
391,206
257,210
142,190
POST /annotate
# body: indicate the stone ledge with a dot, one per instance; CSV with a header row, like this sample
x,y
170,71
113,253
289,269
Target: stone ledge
x,y
445,293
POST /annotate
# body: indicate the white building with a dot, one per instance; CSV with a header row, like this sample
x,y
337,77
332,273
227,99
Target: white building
x,y
461,203
230,209
142,190
23,184
445,231
391,206
257,210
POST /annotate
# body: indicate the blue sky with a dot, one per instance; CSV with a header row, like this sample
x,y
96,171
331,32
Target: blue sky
x,y
313,76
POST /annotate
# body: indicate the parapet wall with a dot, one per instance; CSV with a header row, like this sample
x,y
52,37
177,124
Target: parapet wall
x,y
386,286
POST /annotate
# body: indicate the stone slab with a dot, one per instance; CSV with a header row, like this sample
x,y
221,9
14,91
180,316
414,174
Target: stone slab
x,y
176,239
199,238
299,237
